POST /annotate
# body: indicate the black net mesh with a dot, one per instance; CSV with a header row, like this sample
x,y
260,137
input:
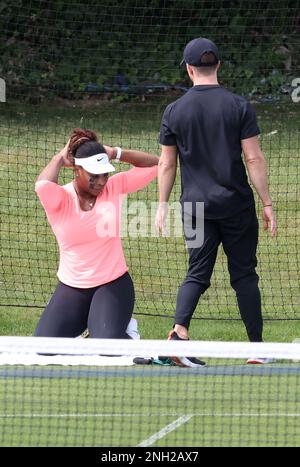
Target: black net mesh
x,y
112,67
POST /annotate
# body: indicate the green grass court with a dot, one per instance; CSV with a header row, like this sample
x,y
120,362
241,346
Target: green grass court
x,y
221,405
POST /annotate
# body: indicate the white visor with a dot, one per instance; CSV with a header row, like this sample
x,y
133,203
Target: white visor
x,y
97,164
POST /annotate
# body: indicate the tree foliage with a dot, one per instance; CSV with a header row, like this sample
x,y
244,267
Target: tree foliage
x,y
62,47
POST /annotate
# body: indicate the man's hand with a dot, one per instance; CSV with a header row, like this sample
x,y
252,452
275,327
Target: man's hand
x,y
269,220
161,218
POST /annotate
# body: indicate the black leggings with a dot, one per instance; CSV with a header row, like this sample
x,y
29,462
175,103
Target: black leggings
x,y
105,310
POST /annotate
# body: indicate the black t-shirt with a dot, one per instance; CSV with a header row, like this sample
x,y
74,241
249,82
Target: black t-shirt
x,y
207,125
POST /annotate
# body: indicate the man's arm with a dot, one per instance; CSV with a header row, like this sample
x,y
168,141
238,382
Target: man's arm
x,y
167,167
257,170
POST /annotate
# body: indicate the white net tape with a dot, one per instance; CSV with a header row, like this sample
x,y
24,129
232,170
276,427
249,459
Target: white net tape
x,y
66,351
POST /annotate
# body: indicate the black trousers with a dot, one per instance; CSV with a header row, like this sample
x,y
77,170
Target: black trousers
x,y
239,237
106,310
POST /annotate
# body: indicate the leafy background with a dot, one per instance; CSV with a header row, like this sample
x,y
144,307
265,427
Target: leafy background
x,y
69,48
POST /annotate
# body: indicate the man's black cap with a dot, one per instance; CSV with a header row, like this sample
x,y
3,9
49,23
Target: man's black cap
x,y
195,50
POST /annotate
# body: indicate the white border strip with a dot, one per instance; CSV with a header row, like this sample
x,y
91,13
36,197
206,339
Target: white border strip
x,y
160,414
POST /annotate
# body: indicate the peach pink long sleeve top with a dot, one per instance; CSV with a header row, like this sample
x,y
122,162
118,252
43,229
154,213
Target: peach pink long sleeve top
x,y
90,246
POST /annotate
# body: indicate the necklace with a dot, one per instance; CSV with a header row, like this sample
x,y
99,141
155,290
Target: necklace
x,y
90,203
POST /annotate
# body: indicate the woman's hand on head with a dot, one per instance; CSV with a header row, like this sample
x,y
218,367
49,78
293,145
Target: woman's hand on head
x,y
66,156
110,151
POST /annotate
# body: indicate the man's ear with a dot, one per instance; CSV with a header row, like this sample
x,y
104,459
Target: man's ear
x,y
190,71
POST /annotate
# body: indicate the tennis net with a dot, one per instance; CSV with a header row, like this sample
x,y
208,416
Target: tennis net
x,y
89,392
113,67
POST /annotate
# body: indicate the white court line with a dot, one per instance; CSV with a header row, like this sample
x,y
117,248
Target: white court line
x,y
166,430
77,415
197,414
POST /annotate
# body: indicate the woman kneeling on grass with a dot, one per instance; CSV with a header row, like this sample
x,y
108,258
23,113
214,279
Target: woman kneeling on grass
x,y
95,290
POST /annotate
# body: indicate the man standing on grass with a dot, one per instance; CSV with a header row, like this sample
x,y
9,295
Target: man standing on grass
x,y
209,127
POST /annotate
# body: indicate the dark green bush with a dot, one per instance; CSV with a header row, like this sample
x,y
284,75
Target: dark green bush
x,y
68,48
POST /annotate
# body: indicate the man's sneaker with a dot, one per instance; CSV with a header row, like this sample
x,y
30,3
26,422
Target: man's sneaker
x,y
188,362
260,361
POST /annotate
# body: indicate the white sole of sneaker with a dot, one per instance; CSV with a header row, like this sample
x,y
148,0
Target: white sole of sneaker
x,y
185,362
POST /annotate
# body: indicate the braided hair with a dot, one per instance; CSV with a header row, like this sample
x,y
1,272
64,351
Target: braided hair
x,y
84,143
